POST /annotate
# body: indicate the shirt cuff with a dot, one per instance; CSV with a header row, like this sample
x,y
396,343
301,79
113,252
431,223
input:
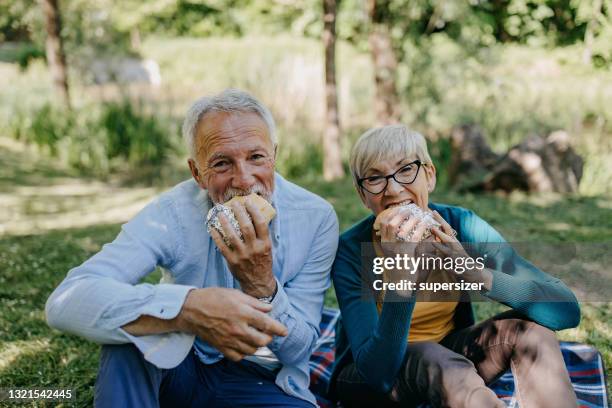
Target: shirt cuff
x,y
165,350
167,301
280,303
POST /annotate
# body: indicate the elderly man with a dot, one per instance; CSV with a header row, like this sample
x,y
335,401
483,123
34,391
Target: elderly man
x,y
240,320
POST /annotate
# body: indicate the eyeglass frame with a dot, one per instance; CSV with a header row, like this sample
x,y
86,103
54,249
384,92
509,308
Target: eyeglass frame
x,y
418,162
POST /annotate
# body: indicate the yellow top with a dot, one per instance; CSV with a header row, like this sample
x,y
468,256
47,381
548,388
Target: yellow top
x,y
431,321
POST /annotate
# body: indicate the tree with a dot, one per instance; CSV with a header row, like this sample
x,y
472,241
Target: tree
x,y
55,51
385,63
332,161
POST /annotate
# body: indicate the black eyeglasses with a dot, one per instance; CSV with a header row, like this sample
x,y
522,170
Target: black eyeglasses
x,y
404,175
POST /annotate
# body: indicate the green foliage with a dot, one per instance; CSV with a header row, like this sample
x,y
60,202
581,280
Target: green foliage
x,y
219,17
474,24
27,53
597,15
97,139
18,19
133,136
45,128
87,29
539,22
298,154
95,29
90,31
181,17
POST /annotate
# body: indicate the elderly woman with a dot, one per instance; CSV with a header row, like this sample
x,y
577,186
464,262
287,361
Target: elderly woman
x,y
403,353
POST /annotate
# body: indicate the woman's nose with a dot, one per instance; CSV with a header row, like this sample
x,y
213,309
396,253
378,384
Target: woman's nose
x,y
393,187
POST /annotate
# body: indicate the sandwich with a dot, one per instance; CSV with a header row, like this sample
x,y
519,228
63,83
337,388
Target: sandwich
x,y
212,219
416,211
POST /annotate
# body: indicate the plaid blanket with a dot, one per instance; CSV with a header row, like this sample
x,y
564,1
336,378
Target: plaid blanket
x,y
583,362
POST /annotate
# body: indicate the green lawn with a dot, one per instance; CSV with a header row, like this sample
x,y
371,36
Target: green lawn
x,y
31,354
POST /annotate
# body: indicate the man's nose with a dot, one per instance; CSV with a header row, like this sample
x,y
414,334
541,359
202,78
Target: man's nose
x,y
243,177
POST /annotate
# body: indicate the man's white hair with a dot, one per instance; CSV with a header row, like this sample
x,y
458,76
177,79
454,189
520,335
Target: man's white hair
x,y
230,101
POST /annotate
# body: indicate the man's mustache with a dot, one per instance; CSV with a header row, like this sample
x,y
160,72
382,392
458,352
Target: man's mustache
x,y
256,189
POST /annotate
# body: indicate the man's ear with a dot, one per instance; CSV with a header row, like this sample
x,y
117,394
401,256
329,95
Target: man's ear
x,y
430,172
196,174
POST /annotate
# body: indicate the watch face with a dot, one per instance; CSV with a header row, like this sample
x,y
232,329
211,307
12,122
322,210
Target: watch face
x,y
267,299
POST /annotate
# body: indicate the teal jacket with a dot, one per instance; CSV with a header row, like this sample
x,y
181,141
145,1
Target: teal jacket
x,y
378,343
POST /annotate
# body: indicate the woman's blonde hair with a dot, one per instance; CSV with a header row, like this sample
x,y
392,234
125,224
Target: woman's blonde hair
x,y
384,143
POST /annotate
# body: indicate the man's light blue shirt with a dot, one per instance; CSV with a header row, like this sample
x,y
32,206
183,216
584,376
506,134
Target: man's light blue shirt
x,y
104,293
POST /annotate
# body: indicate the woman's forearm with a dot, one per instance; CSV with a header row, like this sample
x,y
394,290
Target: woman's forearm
x,y
380,357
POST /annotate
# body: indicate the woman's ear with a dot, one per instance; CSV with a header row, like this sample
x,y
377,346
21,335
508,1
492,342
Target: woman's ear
x,y
430,174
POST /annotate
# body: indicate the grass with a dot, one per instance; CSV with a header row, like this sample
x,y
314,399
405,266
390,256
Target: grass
x,y
31,354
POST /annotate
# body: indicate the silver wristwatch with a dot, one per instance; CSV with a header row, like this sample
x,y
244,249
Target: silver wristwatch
x,y
269,299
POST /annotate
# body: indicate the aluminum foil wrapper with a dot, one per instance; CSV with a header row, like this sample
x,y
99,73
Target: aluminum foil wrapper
x,y
425,216
212,221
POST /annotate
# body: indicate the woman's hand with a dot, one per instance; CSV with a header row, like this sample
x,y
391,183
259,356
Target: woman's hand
x,y
450,247
396,224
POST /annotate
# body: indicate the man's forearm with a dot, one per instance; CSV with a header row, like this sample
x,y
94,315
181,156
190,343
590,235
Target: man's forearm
x,y
259,289
146,325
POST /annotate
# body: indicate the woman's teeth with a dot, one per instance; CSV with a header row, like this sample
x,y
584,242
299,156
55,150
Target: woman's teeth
x,y
400,204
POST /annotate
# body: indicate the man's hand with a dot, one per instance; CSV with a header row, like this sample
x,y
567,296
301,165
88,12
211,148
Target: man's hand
x,y
232,322
250,261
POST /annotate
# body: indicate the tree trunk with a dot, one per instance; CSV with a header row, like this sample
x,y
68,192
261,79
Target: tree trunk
x,y
332,160
385,65
135,41
54,49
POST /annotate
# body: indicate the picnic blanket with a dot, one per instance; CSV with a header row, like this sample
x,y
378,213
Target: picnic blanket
x,y
583,362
